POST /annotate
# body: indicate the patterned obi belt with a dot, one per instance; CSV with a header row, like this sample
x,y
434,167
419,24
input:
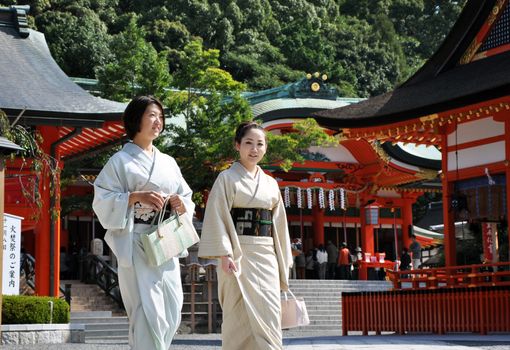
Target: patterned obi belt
x,y
146,215
252,221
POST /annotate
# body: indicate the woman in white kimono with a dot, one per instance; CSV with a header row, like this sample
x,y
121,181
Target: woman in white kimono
x,y
128,192
245,226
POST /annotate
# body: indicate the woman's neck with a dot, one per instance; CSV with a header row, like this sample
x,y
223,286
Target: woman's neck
x,y
250,168
145,145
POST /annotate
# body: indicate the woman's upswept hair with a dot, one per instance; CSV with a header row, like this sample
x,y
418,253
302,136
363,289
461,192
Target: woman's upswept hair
x,y
244,127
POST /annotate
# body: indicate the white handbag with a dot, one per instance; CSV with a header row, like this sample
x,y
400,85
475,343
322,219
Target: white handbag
x,y
294,313
169,238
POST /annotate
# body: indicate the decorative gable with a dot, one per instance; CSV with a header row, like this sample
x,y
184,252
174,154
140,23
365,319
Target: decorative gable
x,y
493,37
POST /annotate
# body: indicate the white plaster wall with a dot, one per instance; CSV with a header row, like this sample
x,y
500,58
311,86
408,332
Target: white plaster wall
x,y
480,155
476,130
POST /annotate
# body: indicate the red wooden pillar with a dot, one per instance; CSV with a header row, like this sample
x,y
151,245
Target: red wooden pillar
x,y
367,233
318,225
448,219
43,227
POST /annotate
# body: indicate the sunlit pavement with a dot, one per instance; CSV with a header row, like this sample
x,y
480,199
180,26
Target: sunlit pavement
x,y
384,342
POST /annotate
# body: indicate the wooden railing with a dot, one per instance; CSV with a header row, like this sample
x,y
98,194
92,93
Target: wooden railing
x,y
98,271
207,282
496,274
443,310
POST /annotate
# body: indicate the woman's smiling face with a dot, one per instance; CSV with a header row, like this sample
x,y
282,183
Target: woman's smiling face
x,y
152,122
252,147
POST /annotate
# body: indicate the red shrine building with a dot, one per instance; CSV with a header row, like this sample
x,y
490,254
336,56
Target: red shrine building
x,y
458,102
358,192
36,93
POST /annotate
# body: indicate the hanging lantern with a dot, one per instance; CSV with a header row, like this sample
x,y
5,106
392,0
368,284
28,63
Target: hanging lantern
x,y
342,199
372,214
331,200
286,197
309,197
299,198
322,203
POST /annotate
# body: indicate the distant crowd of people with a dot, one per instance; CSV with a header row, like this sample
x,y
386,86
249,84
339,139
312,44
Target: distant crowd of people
x,y
330,262
324,262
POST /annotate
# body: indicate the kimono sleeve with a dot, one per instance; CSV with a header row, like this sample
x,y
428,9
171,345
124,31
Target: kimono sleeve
x,y
282,242
111,197
184,191
215,240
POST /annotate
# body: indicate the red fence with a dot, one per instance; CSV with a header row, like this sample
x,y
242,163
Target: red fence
x,y
489,275
481,310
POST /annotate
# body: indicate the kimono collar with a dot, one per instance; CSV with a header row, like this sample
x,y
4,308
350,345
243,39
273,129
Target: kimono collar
x,y
136,151
238,167
145,160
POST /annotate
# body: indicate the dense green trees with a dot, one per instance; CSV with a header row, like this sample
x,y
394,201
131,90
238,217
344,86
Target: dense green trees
x,y
365,46
209,51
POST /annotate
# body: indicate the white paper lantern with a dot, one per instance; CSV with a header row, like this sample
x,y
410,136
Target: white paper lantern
x,y
322,203
331,200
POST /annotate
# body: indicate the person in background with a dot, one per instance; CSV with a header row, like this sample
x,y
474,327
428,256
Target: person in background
x,y
405,261
128,192
322,259
300,262
297,249
344,262
415,249
332,251
245,226
310,265
356,262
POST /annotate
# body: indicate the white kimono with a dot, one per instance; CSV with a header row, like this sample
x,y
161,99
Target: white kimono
x,y
250,298
152,296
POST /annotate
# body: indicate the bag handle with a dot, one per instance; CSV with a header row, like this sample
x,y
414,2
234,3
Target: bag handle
x,y
291,294
161,212
161,215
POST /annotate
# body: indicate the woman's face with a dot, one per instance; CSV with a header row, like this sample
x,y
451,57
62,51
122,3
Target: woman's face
x,y
252,147
151,124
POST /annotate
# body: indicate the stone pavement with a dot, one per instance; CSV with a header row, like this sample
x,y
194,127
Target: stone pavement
x,y
371,342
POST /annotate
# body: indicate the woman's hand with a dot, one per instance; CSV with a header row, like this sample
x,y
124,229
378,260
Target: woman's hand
x,y
152,199
227,264
177,204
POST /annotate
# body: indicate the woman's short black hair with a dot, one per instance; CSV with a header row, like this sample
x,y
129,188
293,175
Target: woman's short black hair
x,y
244,127
132,116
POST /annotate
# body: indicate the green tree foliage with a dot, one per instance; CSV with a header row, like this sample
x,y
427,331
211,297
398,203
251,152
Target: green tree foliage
x,y
77,37
203,144
288,148
134,68
211,105
366,47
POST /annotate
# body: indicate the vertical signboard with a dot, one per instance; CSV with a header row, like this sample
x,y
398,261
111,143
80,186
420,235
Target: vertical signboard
x,y
490,242
11,254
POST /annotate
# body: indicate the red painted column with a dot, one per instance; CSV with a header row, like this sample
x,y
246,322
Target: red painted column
x,y
318,225
448,219
367,234
42,229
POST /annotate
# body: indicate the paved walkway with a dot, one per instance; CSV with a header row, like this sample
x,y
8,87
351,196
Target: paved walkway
x,y
384,342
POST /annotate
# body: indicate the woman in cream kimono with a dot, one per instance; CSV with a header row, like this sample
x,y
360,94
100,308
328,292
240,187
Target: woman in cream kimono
x,y
128,192
255,253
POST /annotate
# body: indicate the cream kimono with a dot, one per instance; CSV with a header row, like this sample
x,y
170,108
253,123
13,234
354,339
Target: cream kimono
x,y
152,296
250,298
